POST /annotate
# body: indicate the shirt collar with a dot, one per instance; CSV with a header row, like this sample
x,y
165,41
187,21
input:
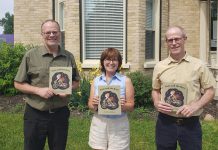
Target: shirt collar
x,y
185,58
116,76
45,52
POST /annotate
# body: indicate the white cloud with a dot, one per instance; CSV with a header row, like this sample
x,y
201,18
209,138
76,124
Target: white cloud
x,y
6,6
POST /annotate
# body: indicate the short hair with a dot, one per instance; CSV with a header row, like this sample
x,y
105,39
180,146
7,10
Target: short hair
x,y
50,20
178,27
110,53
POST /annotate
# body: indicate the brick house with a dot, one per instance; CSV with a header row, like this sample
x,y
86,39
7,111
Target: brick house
x,y
135,27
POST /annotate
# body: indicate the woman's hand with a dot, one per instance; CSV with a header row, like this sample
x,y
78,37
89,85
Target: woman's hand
x,y
122,102
95,102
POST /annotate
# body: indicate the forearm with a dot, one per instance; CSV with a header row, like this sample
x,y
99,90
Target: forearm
x,y
26,88
155,96
206,98
75,85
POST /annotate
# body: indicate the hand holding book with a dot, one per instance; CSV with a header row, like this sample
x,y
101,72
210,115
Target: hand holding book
x,y
123,102
95,102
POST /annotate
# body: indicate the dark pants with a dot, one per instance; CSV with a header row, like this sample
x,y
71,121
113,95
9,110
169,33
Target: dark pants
x,y
170,130
39,125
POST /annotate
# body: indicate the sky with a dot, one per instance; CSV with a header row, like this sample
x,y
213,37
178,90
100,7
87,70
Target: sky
x,y
6,6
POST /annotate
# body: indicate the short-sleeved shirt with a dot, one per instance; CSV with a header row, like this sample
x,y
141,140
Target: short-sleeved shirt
x,y
34,69
190,72
117,79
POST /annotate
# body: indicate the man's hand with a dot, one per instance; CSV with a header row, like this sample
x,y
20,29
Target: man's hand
x,y
45,92
163,107
158,104
188,110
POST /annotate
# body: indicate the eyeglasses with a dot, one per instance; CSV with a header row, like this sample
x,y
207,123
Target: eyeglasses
x,y
109,60
51,32
177,40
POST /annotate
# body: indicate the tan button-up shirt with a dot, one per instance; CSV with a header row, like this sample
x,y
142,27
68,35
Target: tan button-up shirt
x,y
190,72
34,69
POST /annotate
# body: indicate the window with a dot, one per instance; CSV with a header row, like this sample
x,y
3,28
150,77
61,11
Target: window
x,y
103,26
59,16
152,33
213,25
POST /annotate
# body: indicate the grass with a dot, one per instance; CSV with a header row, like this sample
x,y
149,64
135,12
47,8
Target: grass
x,y
142,133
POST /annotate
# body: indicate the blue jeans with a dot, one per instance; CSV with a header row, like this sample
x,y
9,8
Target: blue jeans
x,y
169,131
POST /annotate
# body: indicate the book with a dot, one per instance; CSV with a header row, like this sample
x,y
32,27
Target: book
x,y
174,94
109,100
60,80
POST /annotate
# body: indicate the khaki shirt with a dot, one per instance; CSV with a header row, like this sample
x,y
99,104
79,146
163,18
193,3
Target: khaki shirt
x,y
34,69
189,71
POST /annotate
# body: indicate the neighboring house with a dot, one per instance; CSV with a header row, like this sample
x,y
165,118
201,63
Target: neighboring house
x,y
8,38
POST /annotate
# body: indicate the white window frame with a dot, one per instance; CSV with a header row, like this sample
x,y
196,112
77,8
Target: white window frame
x,y
156,27
57,13
88,63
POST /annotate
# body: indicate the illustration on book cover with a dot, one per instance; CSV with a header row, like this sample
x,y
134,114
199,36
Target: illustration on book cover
x,y
109,102
60,79
174,94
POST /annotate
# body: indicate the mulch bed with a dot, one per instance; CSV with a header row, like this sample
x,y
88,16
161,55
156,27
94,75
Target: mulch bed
x,y
212,109
8,102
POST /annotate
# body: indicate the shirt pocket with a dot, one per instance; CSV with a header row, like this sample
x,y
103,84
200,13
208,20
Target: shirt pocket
x,y
39,76
33,72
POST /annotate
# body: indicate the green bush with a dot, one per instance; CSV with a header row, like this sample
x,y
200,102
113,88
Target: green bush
x,y
10,59
79,97
143,86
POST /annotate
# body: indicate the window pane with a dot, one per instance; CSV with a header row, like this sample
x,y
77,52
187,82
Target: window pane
x,y
150,33
213,24
103,26
149,14
149,44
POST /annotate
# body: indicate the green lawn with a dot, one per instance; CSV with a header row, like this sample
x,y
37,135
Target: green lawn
x,y
142,133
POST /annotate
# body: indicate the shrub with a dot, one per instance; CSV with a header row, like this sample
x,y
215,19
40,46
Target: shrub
x,y
142,86
10,59
79,97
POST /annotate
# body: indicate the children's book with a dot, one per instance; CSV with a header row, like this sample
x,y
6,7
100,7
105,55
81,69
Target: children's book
x,y
109,100
174,94
60,80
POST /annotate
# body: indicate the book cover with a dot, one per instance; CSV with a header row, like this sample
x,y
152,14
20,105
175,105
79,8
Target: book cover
x,y
174,94
109,100
60,80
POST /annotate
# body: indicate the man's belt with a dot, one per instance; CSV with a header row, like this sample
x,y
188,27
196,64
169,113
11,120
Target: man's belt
x,y
178,120
49,111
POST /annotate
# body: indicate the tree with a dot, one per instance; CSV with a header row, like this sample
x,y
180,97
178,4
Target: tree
x,y
7,23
